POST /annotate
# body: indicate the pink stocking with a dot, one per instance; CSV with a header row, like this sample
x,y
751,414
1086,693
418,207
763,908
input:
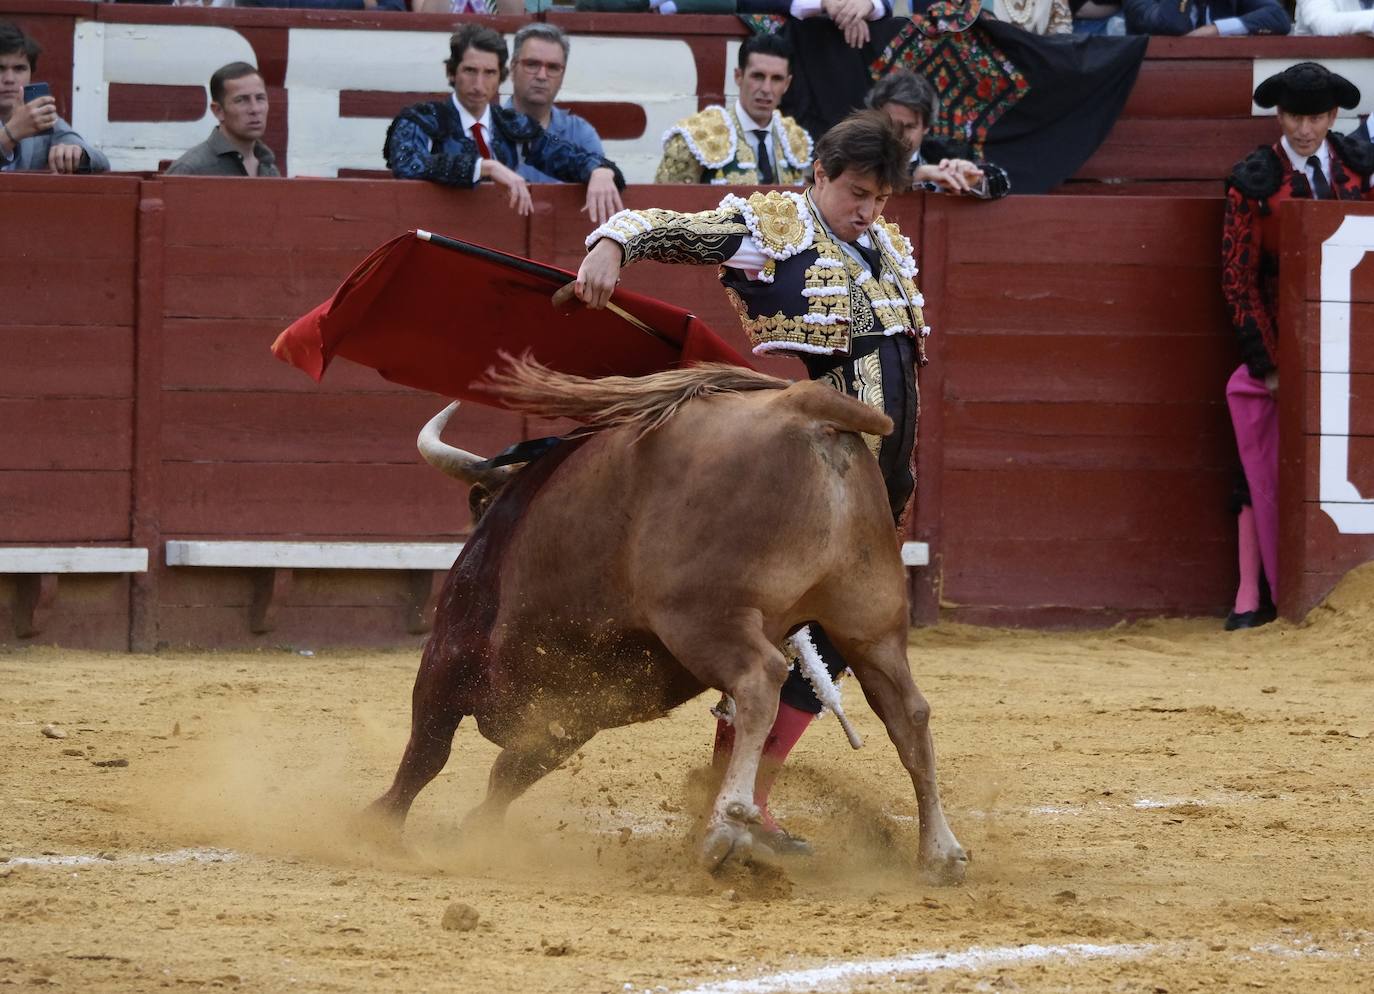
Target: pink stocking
x,y
1248,592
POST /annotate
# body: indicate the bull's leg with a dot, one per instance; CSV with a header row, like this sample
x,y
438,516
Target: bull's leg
x,y
732,654
882,670
519,767
434,718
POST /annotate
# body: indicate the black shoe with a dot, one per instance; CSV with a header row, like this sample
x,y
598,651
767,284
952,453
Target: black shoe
x,y
780,842
1251,619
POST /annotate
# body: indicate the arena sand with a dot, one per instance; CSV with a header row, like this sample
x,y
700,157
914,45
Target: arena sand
x,y
1159,807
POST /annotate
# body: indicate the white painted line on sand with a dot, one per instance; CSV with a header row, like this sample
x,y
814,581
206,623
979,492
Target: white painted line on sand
x,y
831,976
176,856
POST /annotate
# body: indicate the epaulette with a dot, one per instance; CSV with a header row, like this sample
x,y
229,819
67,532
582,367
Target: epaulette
x,y
897,244
709,134
1354,152
797,148
515,125
1259,175
779,221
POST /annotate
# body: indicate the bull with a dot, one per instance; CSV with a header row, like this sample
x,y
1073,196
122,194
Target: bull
x,y
707,514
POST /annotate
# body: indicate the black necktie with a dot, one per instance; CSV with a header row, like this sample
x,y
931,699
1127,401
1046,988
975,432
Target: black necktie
x,y
765,164
1319,184
871,256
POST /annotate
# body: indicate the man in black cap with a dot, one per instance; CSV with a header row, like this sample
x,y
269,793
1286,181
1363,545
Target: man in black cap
x,y
1308,162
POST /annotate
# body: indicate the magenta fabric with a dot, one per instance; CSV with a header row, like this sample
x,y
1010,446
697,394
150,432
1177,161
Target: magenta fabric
x,y
1255,418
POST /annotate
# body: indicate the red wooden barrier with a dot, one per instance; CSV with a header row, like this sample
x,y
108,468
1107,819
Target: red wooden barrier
x,y
1075,456
1326,376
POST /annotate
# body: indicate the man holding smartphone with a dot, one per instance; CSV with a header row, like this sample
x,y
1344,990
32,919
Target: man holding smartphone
x,y
32,135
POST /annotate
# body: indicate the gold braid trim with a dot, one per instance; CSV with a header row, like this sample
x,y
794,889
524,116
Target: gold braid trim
x,y
671,236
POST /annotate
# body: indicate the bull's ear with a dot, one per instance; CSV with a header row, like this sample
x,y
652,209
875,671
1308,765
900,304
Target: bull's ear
x,y
479,499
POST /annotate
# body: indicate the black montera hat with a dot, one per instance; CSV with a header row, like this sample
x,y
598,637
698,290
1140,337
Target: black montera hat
x,y
1307,88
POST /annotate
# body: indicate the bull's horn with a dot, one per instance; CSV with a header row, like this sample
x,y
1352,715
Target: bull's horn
x,y
453,461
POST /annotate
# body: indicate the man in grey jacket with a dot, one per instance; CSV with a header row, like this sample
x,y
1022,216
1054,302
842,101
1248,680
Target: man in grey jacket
x,y
32,136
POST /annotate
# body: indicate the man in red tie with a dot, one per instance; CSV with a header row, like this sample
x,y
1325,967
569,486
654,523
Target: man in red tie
x,y
469,137
1309,161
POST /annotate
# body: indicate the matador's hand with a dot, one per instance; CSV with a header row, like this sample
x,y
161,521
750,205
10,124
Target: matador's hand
x,y
599,273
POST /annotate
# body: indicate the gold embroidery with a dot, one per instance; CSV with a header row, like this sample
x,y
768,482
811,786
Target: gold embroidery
x,y
778,225
667,236
796,330
798,141
868,388
709,131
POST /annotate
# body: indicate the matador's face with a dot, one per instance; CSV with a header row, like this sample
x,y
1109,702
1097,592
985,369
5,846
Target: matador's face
x,y
849,202
762,82
1306,132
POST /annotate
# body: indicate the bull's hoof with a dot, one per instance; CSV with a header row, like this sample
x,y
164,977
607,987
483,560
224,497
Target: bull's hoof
x,y
379,826
721,843
945,869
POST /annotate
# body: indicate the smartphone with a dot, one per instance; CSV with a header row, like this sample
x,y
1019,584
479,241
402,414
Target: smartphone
x,y
35,90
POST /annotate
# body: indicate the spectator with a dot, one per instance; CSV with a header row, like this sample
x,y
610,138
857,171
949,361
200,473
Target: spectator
x,y
399,5
32,136
238,99
850,16
541,58
1039,17
469,137
1091,17
1308,162
937,165
1333,17
1206,17
750,142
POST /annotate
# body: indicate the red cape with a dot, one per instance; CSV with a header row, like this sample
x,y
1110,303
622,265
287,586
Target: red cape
x,y
433,313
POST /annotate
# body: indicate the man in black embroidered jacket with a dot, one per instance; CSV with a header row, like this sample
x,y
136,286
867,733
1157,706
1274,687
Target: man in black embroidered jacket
x,y
471,137
821,276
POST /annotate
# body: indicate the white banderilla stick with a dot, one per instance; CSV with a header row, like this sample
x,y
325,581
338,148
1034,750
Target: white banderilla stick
x,y
813,668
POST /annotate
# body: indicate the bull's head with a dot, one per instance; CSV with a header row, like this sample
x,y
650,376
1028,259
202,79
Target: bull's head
x,y
486,481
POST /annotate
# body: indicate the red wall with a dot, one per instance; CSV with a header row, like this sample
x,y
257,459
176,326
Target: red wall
x,y
1314,551
1075,455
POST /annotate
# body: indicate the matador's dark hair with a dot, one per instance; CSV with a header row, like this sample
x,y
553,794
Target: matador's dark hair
x,y
865,142
481,38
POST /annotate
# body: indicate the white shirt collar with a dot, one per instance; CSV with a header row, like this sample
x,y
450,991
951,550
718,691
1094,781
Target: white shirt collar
x,y
747,123
468,120
1299,162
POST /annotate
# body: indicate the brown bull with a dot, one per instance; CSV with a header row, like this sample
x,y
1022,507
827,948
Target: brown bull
x,y
714,512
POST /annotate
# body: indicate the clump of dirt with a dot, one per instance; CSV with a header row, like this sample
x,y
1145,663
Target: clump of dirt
x,y
1349,609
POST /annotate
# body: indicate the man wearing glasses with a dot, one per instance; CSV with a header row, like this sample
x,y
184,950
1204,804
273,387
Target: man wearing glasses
x,y
541,60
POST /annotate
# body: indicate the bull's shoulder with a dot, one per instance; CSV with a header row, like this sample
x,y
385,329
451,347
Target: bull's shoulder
x,y
779,221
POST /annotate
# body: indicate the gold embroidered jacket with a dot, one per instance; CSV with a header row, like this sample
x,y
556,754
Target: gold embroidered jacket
x,y
711,147
811,295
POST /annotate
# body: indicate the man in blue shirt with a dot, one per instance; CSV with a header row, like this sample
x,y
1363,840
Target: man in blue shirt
x,y
1206,17
541,60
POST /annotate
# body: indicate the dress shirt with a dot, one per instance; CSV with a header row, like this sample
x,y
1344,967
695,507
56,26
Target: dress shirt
x,y
1232,26
1299,162
747,123
468,121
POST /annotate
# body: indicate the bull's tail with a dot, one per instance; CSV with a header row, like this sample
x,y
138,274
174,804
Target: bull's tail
x,y
612,401
823,403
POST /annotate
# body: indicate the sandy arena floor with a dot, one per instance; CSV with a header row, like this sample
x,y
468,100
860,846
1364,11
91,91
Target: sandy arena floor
x,y
1163,807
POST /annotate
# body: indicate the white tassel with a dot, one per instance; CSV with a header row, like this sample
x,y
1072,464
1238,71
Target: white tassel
x,y
813,668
